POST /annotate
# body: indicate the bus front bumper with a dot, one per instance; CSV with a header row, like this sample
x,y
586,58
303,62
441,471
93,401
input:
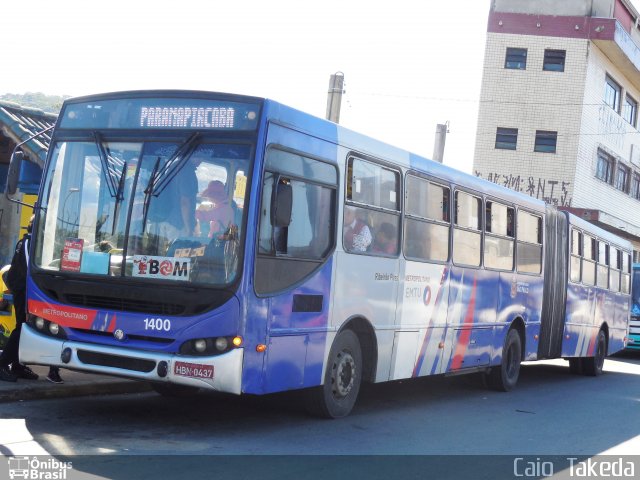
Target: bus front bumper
x,y
633,342
222,373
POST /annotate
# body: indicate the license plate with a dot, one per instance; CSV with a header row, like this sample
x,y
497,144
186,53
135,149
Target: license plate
x,y
194,370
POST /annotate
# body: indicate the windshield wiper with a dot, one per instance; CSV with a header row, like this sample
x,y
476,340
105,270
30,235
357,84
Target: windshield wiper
x,y
110,173
115,179
161,179
147,194
119,197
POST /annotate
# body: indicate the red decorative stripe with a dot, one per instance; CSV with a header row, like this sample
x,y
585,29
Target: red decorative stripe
x,y
62,314
465,335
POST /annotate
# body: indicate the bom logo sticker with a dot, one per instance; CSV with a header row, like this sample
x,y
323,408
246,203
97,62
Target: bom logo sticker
x,y
166,268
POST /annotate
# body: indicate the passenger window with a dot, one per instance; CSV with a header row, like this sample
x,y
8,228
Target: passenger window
x,y
498,240
310,233
588,260
614,271
371,217
466,234
529,245
602,270
576,252
625,280
426,229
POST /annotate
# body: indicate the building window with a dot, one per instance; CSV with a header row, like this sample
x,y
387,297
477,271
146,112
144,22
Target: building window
x,y
635,186
604,169
630,110
612,94
545,141
516,58
554,60
506,138
622,177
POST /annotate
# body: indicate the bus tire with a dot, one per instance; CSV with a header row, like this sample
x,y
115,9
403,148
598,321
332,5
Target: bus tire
x,y
505,376
172,390
342,379
592,366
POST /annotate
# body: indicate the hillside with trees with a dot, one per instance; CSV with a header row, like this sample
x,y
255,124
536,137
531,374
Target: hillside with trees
x,y
46,103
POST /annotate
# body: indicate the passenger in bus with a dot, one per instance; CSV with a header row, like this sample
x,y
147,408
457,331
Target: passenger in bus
x,y
357,234
386,241
215,214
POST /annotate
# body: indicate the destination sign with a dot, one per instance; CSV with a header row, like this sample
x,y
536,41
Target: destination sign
x,y
160,113
187,117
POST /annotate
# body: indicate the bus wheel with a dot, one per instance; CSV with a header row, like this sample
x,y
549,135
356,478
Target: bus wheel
x,y
342,379
505,376
173,390
592,366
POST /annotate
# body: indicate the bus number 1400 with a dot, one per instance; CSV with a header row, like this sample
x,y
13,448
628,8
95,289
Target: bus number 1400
x,y
157,324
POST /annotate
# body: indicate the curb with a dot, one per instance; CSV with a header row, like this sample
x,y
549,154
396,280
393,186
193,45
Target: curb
x,y
49,390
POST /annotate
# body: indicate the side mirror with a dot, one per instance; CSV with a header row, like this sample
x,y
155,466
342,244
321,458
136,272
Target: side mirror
x,y
13,175
281,204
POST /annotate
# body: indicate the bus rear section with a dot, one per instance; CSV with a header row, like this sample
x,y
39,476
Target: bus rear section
x,y
634,324
598,299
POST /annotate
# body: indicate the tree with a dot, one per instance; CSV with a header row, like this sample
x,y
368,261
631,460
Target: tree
x,y
46,103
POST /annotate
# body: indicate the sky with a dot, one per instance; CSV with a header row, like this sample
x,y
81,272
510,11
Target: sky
x,y
408,65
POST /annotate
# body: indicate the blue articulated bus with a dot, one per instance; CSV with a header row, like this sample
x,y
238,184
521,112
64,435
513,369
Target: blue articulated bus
x,y
209,241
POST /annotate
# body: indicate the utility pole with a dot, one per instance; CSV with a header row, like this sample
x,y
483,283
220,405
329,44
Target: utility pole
x,y
441,137
334,99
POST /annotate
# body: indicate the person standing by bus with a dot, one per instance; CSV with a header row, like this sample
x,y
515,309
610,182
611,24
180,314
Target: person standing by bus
x,y
16,280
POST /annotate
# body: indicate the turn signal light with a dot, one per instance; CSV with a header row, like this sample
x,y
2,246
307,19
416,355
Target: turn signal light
x,y
237,341
261,347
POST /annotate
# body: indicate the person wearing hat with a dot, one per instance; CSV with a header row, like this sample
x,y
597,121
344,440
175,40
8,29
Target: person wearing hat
x,y
215,214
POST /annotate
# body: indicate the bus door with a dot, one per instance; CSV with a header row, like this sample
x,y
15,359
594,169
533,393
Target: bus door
x,y
473,291
424,279
367,274
296,239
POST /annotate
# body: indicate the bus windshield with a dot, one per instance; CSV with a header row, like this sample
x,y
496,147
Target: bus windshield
x,y
161,210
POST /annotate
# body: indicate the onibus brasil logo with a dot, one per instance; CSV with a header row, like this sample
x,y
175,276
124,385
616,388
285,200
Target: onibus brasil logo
x,y
35,468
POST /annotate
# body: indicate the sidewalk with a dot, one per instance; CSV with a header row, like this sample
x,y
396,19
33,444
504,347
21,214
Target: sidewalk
x,y
75,384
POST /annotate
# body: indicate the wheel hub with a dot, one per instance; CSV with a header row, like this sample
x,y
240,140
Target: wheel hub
x,y
344,372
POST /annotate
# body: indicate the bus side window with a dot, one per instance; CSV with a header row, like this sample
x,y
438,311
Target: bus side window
x,y
576,253
589,260
310,234
371,221
426,227
529,243
467,236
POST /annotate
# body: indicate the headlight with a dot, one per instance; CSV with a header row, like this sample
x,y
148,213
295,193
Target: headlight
x,y
221,344
200,345
40,323
54,328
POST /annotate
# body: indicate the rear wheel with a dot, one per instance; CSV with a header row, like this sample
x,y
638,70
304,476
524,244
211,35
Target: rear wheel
x,y
342,379
505,376
173,390
592,366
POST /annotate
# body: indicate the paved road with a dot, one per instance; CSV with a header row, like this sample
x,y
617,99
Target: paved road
x,y
550,413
